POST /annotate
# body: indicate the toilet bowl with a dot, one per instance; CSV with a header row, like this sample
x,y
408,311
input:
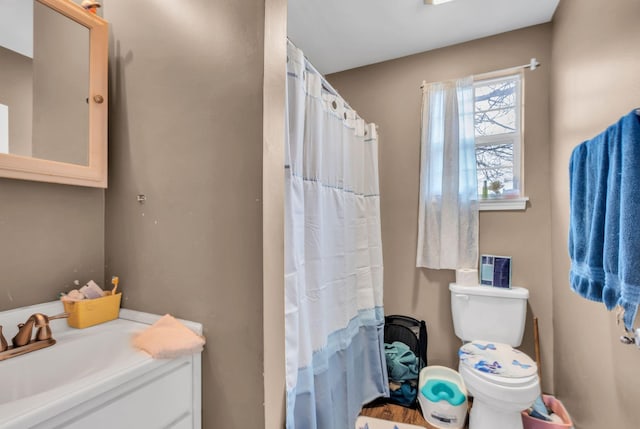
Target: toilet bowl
x,y
502,380
500,387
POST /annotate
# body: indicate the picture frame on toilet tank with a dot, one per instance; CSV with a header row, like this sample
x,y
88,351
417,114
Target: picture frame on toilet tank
x,y
495,271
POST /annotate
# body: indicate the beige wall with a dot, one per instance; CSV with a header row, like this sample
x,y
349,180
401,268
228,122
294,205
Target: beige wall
x,y
596,65
273,212
50,235
388,94
185,129
16,91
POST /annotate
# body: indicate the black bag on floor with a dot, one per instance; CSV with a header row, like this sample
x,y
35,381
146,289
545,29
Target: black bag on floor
x,y
413,333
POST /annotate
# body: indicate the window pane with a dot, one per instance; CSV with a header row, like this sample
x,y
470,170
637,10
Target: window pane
x,y
496,95
494,156
497,116
495,122
499,181
495,164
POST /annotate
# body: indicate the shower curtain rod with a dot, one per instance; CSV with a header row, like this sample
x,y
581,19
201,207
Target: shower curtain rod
x,y
533,64
325,84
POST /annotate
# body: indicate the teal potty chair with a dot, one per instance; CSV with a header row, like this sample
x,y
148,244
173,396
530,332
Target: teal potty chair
x,y
443,397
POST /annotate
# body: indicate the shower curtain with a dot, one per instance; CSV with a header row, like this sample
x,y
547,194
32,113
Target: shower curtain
x,y
333,258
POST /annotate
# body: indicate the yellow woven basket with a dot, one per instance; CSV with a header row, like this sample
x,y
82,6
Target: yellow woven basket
x,y
90,312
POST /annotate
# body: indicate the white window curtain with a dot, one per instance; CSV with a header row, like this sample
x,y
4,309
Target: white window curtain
x,y
334,317
448,212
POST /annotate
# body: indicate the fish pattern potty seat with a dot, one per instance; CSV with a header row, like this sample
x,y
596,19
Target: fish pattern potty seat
x,y
498,359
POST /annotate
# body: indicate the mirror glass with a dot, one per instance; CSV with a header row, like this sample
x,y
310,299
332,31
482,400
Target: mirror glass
x,y
44,83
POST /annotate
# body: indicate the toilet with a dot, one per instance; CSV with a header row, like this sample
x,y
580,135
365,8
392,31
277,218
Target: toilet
x,y
502,380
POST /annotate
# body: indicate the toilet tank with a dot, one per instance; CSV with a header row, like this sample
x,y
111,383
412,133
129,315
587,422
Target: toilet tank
x,y
489,313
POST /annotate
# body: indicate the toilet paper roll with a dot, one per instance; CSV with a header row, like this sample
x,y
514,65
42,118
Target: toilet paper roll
x,y
467,277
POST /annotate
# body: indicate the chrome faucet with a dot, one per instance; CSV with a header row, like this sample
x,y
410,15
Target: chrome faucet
x,y
23,342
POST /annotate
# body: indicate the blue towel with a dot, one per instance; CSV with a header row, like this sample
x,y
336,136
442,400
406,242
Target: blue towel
x,y
402,367
539,410
402,363
604,231
405,395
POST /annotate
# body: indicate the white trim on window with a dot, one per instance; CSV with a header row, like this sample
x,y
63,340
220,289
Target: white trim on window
x,y
4,128
499,204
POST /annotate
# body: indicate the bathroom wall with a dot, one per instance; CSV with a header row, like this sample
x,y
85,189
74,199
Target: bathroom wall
x,y
16,91
275,57
185,130
389,94
595,81
50,235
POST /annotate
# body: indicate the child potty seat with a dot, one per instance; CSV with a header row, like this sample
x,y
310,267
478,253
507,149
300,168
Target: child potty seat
x,y
443,397
498,359
442,390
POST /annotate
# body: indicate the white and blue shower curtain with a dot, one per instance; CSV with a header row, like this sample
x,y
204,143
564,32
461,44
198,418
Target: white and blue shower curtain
x,y
333,257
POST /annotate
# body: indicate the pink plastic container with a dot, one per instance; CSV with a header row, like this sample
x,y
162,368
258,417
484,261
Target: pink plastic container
x,y
557,407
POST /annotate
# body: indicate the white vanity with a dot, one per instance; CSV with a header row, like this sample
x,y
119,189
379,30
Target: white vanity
x,y
94,378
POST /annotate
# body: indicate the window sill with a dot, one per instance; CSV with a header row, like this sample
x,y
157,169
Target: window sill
x,y
503,204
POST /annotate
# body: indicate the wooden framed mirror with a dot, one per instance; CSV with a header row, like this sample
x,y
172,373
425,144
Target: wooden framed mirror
x,y
68,96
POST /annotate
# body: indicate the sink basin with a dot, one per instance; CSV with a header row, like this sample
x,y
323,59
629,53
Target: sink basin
x,y
59,382
75,356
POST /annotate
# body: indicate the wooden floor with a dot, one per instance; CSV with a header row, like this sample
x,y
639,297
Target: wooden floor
x,y
396,413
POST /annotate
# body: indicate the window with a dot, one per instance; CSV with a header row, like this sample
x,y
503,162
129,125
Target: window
x,y
498,134
4,128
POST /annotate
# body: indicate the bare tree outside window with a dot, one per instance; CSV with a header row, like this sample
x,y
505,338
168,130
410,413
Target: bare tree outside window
x,y
497,119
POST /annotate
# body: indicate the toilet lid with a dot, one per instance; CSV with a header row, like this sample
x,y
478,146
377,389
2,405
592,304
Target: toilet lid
x,y
496,358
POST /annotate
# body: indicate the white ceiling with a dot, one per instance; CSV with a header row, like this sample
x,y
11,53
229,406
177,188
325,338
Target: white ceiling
x,y
339,35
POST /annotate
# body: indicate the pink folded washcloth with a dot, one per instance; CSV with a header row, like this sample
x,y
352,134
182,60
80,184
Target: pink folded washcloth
x,y
168,339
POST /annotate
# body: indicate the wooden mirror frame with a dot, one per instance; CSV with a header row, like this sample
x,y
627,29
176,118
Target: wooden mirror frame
x,y
94,174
